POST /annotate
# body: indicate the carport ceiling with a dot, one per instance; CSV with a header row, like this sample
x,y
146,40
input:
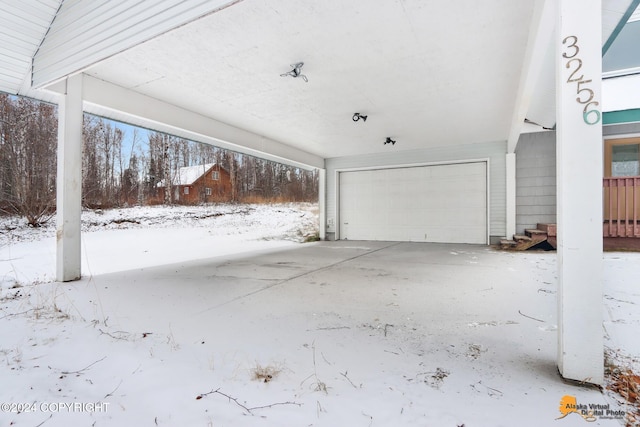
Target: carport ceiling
x,y
427,73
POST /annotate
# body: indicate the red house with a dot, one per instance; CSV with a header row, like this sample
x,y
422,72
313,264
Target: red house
x,y
198,184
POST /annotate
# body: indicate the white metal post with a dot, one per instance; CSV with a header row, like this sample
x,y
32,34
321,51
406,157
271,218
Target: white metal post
x,y
579,187
69,182
322,202
511,194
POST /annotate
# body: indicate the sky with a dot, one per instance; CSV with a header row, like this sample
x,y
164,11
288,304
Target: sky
x,y
128,130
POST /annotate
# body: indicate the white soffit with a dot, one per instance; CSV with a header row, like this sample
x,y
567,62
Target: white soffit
x,y
23,25
85,32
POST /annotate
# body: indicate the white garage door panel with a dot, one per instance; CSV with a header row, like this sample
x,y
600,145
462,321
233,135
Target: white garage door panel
x,y
442,203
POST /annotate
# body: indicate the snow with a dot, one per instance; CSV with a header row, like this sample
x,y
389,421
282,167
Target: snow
x,y
182,310
151,233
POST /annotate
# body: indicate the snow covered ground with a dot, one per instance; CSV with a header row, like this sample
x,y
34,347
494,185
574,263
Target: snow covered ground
x,y
219,316
151,234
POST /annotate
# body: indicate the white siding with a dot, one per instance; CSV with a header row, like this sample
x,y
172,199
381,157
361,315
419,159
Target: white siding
x,y
494,151
85,32
23,25
535,180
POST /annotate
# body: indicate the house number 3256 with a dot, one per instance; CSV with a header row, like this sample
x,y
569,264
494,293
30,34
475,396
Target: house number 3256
x,y
585,94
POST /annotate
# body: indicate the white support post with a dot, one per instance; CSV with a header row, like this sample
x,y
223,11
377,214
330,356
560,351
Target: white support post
x,y
511,194
579,187
322,202
69,182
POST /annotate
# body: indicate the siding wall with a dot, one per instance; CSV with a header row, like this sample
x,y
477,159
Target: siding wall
x,y
536,175
535,180
494,151
220,189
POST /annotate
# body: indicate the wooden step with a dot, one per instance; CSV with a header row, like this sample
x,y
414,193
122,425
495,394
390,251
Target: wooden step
x,y
524,242
521,238
532,237
508,244
536,234
550,229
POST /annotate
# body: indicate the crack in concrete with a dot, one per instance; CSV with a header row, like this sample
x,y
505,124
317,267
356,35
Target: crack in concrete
x,y
297,276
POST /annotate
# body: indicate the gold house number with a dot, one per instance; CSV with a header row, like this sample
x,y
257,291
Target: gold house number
x,y
585,94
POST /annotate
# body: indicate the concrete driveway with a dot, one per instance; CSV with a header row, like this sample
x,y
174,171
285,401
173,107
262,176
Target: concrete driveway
x,y
405,333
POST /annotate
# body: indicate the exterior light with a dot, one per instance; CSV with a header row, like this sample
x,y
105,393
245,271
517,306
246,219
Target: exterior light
x,y
358,116
296,71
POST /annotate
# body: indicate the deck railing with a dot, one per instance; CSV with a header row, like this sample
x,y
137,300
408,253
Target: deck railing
x,y
621,206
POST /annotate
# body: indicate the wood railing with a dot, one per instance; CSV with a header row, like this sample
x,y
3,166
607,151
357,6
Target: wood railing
x,y
621,206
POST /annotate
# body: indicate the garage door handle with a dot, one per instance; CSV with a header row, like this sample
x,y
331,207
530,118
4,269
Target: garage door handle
x,y
345,223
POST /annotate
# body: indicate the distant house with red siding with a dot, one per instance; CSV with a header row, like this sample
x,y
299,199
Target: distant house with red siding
x,y
199,184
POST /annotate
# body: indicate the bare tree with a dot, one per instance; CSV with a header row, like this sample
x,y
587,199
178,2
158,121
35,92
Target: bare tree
x,y
113,177
28,153
231,159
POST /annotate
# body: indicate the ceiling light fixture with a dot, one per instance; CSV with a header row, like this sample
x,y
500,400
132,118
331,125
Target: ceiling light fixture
x,y
296,71
389,141
358,116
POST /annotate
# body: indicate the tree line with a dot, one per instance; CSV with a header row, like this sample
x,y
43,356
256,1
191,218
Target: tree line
x,y
122,169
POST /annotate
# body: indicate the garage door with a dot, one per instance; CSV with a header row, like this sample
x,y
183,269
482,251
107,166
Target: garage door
x,y
441,203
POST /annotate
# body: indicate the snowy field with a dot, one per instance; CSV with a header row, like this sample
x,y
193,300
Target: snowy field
x,y
220,316
151,235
